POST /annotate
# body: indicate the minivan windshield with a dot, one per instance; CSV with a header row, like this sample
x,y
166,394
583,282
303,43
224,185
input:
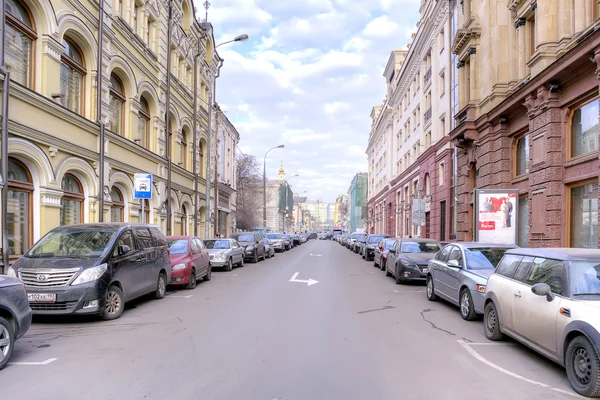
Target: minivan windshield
x,y
484,258
420,247
217,244
585,278
178,246
72,243
274,236
244,238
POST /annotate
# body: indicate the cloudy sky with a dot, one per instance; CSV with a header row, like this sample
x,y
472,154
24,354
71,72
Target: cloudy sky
x,y
307,78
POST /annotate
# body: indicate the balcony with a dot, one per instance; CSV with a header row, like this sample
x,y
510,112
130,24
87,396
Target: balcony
x,y
427,78
427,115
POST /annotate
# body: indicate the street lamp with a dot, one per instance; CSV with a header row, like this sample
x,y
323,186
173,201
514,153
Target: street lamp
x,y
211,97
281,146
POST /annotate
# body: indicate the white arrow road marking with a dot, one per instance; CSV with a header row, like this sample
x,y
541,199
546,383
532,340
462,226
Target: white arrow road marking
x,y
48,361
309,282
182,297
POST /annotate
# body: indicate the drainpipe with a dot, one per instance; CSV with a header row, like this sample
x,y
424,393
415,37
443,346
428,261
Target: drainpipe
x,y
167,111
216,182
101,150
4,139
195,144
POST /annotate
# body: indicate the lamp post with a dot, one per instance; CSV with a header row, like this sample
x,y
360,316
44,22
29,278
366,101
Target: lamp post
x,y
281,146
211,97
287,185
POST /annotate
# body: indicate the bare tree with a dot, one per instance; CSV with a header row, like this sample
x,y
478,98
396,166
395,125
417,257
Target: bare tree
x,y
249,205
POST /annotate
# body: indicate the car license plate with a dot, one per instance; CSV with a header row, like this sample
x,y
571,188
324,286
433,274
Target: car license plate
x,y
425,270
42,297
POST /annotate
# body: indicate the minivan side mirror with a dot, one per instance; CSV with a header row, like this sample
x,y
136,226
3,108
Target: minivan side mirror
x,y
543,289
124,249
392,251
453,264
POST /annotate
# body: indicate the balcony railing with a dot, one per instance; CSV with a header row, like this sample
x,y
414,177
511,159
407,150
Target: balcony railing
x,y
427,77
428,115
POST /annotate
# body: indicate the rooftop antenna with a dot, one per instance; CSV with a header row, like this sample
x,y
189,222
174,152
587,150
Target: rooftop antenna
x,y
206,7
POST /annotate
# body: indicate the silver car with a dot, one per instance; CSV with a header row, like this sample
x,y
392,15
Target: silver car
x,y
459,274
277,241
225,253
549,300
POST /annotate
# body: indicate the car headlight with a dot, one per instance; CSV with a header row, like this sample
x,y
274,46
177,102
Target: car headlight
x,y
250,248
11,272
219,256
178,267
409,264
90,274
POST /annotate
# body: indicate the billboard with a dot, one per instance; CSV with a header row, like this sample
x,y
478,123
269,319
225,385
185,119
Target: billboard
x,y
496,216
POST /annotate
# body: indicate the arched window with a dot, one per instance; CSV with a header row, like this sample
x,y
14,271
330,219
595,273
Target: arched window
x,y
184,225
117,104
117,209
72,72
201,160
72,201
171,140
147,212
20,35
19,216
144,124
584,129
183,157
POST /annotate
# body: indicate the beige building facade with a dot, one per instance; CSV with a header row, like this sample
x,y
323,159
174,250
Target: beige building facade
x,y
225,144
51,50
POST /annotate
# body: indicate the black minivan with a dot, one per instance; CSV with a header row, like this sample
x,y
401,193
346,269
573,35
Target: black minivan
x,y
94,268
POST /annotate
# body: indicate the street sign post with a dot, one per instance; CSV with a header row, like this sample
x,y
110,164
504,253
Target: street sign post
x,y
142,184
418,212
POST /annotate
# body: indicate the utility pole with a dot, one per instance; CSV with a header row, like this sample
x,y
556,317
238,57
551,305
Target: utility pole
x,y
4,139
167,117
101,125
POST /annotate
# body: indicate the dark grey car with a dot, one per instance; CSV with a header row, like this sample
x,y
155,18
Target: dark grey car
x,y
252,242
15,315
408,259
367,248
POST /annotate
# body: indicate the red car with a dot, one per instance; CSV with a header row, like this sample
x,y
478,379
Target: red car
x,y
189,261
381,252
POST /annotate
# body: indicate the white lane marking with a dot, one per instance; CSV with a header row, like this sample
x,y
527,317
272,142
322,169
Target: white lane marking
x,y
409,291
48,361
491,344
315,255
309,282
467,346
181,297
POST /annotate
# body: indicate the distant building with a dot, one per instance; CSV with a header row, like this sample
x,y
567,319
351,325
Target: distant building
x,y
358,201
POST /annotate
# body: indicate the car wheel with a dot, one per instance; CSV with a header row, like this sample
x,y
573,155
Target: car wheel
x,y
7,341
583,367
375,263
209,272
241,264
161,286
431,296
114,303
264,255
387,271
491,322
193,280
255,257
397,276
229,266
467,308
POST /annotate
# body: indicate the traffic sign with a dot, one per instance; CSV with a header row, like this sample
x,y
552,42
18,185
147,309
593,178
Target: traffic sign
x,y
142,186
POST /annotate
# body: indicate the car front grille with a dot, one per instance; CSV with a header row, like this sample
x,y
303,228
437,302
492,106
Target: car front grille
x,y
64,306
47,278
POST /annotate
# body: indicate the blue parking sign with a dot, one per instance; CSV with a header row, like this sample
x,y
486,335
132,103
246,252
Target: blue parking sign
x,y
142,186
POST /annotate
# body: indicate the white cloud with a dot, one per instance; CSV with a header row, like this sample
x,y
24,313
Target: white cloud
x,y
308,78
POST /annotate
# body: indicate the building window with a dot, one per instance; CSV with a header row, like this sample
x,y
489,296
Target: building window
x,y
183,155
136,18
532,42
184,225
20,35
442,83
19,217
147,212
442,174
442,127
72,72
118,206
522,158
170,139
144,124
523,223
584,216
72,201
584,129
441,41
117,105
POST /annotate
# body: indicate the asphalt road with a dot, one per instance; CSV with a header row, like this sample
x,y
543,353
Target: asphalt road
x,y
251,334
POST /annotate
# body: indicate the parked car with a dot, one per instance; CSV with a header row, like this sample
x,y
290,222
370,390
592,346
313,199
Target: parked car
x,y
15,315
303,238
353,238
225,253
549,300
94,268
296,240
189,261
409,257
367,248
289,243
358,244
381,253
269,247
252,242
279,243
459,274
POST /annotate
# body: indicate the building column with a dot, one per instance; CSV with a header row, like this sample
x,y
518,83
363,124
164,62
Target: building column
x,y
521,47
580,15
52,51
49,210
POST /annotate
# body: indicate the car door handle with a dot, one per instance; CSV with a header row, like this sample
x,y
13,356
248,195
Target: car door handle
x,y
517,294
